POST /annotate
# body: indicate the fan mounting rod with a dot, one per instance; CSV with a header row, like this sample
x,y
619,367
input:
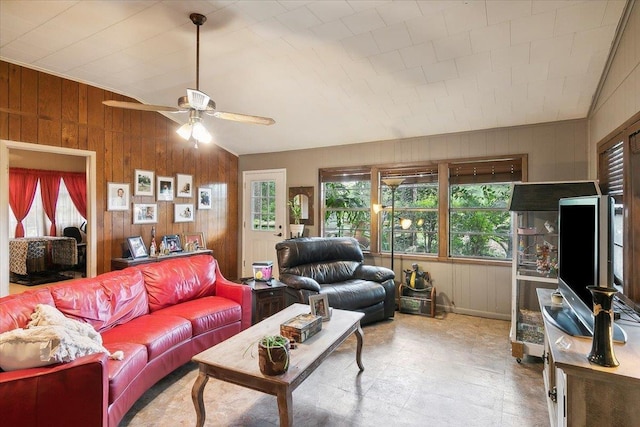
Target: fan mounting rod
x,y
198,19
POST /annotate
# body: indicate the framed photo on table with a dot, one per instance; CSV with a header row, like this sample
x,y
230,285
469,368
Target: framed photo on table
x,y
184,185
204,198
196,237
320,306
137,247
145,213
143,183
172,242
117,196
165,188
183,212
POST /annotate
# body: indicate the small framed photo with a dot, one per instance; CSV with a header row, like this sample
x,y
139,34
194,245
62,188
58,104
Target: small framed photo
x,y
137,247
184,185
172,242
145,213
320,306
117,196
143,183
183,212
165,188
204,198
197,238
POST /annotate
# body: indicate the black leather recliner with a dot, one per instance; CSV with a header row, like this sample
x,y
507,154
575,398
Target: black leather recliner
x,y
335,266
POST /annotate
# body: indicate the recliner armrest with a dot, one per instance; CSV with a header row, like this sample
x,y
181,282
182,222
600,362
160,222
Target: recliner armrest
x,y
374,273
299,282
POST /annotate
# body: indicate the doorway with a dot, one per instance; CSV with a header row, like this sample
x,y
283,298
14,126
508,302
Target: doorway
x,y
38,150
264,207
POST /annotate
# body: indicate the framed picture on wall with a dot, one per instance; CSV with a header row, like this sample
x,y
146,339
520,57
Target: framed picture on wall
x,y
184,185
117,196
143,183
183,212
165,188
204,198
145,213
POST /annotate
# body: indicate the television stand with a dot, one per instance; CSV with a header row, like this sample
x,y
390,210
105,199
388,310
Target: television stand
x,y
580,393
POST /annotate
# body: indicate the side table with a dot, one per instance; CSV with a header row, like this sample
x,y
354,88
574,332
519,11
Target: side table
x,y
268,298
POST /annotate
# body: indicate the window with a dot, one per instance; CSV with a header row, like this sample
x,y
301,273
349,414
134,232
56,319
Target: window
x,y
479,220
36,222
612,174
415,227
346,205
263,205
442,209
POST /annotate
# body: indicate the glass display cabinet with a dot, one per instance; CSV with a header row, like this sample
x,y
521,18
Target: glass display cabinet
x,y
534,210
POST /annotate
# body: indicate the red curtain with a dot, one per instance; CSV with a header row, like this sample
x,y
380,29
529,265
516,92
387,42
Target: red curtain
x,y
76,183
22,190
49,188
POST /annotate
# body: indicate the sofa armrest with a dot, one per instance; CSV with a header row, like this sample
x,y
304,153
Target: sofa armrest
x,y
374,273
235,292
68,394
299,282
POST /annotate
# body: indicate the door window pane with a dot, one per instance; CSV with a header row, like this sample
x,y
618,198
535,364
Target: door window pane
x,y
263,205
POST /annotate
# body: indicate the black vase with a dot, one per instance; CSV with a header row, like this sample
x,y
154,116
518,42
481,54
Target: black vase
x,y
602,346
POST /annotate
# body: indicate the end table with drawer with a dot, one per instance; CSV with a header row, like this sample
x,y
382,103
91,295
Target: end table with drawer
x,y
268,298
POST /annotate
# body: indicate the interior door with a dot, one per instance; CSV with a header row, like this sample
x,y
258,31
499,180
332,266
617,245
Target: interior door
x,y
264,207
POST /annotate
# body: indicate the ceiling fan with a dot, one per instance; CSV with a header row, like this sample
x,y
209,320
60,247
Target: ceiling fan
x,y
195,103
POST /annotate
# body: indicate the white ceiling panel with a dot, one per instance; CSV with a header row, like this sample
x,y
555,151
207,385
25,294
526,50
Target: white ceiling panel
x,y
329,72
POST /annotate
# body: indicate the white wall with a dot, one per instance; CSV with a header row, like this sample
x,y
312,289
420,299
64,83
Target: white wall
x,y
557,152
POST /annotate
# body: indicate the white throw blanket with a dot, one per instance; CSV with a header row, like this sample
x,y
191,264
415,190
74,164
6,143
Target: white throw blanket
x,y
50,337
82,338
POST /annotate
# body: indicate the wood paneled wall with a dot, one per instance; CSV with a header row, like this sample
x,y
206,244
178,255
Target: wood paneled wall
x,y
40,108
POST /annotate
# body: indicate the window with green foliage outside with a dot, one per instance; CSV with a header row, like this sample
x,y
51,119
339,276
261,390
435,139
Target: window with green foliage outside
x,y
479,222
346,201
263,205
415,227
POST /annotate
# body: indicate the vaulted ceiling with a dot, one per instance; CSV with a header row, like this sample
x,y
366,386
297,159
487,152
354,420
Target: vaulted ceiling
x,y
329,72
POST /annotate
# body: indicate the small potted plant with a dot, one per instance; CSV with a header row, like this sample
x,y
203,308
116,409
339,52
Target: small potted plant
x,y
273,354
295,209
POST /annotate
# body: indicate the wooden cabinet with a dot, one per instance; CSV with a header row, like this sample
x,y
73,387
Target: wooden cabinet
x,y
580,393
268,298
122,263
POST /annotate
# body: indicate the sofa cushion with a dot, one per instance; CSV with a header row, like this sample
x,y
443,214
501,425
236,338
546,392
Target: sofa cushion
x,y
354,294
104,301
178,280
205,314
157,333
16,310
123,372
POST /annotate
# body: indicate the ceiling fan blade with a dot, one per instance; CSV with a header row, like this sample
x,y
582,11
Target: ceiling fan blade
x,y
245,118
137,106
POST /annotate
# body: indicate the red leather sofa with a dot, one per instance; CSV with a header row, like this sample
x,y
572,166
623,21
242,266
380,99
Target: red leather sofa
x,y
160,315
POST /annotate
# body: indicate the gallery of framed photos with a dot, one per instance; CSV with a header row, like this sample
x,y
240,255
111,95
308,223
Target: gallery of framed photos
x,y
178,189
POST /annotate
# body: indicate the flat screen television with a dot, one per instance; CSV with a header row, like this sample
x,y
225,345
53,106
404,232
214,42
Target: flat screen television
x,y
585,245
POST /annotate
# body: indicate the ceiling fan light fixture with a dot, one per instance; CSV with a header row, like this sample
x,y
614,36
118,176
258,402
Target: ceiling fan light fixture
x,y
185,130
198,100
201,134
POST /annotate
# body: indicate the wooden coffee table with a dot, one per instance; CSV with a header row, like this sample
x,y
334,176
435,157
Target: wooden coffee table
x,y
231,362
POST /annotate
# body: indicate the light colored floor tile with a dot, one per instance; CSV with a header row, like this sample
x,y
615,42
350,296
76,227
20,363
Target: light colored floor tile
x,y
450,371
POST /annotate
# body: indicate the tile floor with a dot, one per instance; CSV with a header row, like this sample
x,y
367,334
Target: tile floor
x,y
453,370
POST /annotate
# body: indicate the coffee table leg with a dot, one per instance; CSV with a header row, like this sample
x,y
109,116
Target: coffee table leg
x,y
285,407
359,337
196,396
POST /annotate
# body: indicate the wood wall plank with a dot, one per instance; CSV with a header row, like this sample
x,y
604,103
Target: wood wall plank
x,y
44,109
